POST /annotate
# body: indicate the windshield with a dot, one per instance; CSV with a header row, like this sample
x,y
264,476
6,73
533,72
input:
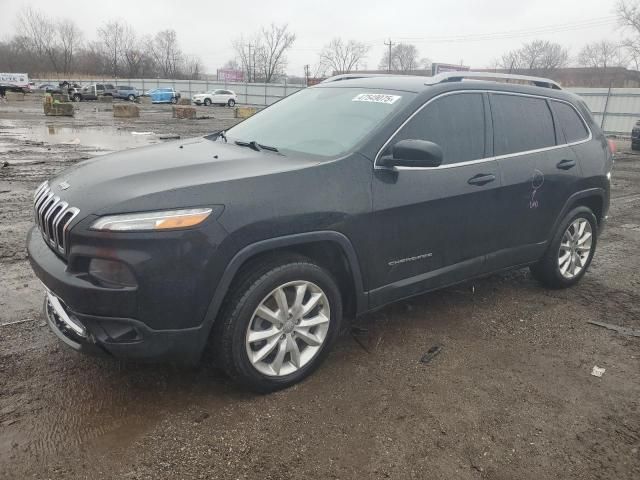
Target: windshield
x,y
320,121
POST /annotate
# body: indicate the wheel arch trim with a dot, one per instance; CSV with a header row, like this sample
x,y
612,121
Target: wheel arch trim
x,y
263,246
573,201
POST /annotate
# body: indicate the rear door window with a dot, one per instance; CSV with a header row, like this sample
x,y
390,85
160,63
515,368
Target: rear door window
x,y
570,126
521,124
455,122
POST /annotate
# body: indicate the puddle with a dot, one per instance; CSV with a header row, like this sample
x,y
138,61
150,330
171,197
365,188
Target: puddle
x,y
103,139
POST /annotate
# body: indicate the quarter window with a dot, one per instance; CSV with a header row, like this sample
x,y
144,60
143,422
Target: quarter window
x,y
521,124
455,122
570,125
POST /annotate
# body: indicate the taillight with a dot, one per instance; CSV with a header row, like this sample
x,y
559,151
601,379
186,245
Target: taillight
x,y
612,146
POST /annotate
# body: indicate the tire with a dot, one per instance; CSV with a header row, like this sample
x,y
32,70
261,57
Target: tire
x,y
174,100
76,97
259,287
131,98
554,272
231,102
207,102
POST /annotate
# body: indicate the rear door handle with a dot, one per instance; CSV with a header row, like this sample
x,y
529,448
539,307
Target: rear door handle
x,y
481,179
566,164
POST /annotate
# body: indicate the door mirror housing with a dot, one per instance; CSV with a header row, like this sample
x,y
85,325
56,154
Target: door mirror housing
x,y
414,153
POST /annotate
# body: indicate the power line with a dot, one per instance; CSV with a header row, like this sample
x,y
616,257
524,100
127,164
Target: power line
x,y
509,34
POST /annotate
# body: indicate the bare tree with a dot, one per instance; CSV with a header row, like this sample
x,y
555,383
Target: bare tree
x,y
272,46
539,55
628,12
264,53
167,53
69,38
192,68
135,52
404,57
600,54
343,56
40,34
112,36
231,64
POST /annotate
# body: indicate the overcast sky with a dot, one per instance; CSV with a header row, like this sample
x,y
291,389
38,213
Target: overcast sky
x,y
474,32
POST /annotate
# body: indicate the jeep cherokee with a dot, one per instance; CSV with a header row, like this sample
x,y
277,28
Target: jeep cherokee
x,y
333,202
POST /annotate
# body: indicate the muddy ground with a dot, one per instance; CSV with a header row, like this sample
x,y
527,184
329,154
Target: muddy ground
x,y
509,396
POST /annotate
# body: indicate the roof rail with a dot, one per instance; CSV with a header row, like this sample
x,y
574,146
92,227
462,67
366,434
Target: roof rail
x,y
459,76
356,75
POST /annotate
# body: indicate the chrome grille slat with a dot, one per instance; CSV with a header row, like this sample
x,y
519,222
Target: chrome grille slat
x,y
55,221
49,211
53,217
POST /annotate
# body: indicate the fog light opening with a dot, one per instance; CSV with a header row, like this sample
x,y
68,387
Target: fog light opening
x,y
111,273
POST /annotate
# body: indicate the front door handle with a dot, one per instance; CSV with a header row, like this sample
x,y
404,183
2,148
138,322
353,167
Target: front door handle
x,y
481,179
566,164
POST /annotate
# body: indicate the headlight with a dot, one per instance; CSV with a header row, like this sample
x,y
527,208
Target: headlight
x,y
167,220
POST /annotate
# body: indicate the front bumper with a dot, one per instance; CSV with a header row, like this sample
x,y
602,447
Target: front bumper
x,y
119,337
126,338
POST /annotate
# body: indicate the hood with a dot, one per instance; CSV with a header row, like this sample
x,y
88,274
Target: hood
x,y
164,176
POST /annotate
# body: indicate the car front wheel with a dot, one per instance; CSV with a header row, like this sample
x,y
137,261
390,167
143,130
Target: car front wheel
x,y
131,97
570,252
207,102
231,102
174,100
279,324
76,98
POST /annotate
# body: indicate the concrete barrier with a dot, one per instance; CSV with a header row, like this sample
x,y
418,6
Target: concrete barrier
x,y
15,96
245,112
105,99
184,101
60,97
55,108
184,112
126,110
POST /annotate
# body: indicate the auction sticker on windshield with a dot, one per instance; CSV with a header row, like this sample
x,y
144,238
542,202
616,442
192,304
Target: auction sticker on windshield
x,y
376,98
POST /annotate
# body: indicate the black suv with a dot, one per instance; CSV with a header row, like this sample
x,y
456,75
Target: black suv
x,y
335,201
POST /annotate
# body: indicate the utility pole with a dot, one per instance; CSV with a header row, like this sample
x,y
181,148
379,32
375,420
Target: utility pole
x,y
306,75
249,46
390,44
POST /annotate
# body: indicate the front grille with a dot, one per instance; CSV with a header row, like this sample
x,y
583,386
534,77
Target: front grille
x,y
53,216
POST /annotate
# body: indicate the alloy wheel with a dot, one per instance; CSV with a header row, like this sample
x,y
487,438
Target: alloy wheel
x,y
288,328
575,248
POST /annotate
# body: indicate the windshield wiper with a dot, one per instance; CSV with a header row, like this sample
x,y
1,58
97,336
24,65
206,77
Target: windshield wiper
x,y
255,146
217,134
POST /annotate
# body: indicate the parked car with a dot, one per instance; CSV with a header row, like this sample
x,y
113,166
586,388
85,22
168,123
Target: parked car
x,y
334,201
635,136
215,97
47,87
126,92
91,91
163,95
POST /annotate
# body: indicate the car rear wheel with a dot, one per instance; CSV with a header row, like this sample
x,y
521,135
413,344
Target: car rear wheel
x,y
76,97
570,252
131,97
207,102
231,102
174,100
279,324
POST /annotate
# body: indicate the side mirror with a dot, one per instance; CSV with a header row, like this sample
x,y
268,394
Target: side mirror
x,y
413,153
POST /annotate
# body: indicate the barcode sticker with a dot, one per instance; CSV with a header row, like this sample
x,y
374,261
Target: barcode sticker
x,y
376,98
